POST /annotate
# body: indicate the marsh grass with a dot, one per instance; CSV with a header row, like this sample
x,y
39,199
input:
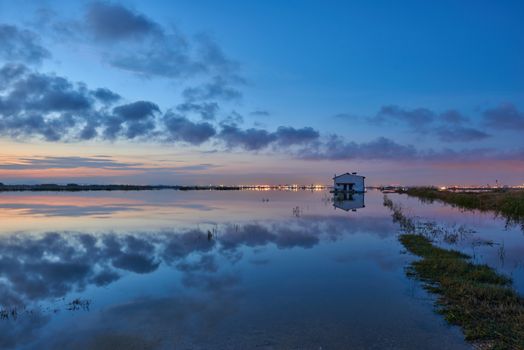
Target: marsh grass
x,y
508,203
475,297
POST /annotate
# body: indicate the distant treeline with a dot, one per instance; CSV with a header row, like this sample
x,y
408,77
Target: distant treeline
x,y
506,202
77,188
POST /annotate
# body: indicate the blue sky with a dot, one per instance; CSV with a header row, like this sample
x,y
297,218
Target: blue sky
x,y
406,92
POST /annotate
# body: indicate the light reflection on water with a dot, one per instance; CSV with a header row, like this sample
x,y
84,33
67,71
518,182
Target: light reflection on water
x,y
221,270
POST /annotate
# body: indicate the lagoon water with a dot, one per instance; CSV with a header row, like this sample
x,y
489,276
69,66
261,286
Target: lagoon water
x,y
228,270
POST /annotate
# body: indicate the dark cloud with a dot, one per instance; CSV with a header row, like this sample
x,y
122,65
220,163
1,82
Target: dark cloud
x,y
460,134
453,117
35,92
234,118
217,88
131,41
179,128
206,110
382,148
97,162
249,139
11,72
166,57
137,119
148,48
448,126
288,136
106,96
257,139
135,111
49,106
417,119
109,22
212,55
504,117
21,45
336,148
55,109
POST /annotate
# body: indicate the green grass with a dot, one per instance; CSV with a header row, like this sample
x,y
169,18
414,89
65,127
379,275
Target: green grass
x,y
474,297
508,203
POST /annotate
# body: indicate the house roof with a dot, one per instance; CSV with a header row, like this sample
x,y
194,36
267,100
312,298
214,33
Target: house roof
x,y
337,176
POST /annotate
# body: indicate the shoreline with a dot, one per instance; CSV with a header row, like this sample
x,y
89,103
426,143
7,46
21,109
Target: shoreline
x,y
505,202
87,188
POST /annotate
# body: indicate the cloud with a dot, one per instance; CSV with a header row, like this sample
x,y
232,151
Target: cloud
x,y
133,42
206,110
257,139
249,139
135,111
460,134
453,117
504,117
234,118
417,119
288,136
34,104
131,120
106,96
217,88
68,163
336,148
52,107
447,126
48,106
109,22
180,128
21,45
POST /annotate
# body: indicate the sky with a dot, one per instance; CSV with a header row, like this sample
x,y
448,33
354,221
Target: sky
x,y
262,92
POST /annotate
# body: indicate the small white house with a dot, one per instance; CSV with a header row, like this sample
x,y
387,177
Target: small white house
x,y
349,183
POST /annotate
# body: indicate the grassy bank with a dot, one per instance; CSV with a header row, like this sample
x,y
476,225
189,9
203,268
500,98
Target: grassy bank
x,y
475,297
471,296
509,203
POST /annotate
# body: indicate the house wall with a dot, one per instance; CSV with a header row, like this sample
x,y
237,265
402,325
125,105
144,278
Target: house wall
x,y
356,180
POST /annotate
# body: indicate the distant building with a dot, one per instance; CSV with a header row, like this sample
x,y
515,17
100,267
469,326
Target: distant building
x,y
349,183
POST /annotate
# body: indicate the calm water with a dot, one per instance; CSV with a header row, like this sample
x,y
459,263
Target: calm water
x,y
227,270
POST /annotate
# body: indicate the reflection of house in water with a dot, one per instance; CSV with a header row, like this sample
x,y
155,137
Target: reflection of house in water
x,y
348,201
